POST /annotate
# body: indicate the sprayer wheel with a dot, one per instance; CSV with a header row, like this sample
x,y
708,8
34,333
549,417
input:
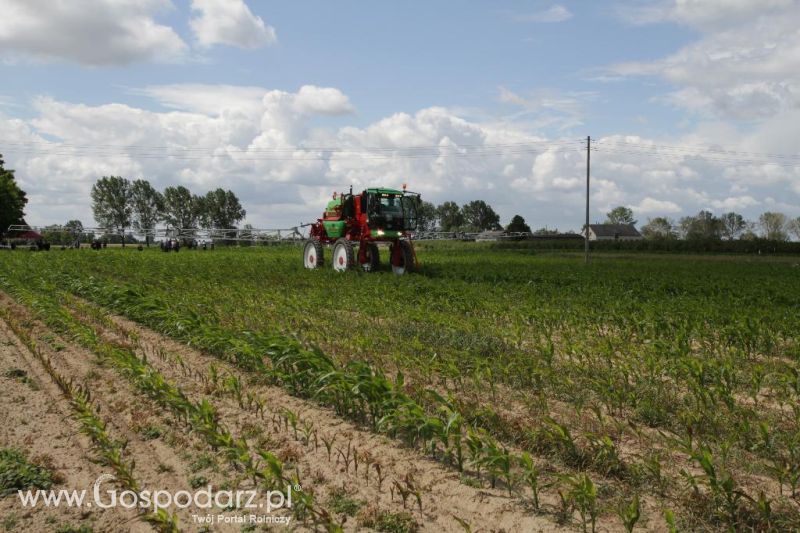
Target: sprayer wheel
x,y
312,254
343,256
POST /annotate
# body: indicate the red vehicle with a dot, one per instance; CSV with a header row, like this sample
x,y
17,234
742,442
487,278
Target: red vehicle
x,y
379,215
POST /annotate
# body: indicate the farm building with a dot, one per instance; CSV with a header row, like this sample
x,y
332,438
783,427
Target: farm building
x,y
607,232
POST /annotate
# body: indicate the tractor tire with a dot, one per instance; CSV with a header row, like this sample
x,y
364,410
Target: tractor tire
x,y
402,260
343,255
313,254
372,257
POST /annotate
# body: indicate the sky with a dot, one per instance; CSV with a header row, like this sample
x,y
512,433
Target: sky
x,y
690,104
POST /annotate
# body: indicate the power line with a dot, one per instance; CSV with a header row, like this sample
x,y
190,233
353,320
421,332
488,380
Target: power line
x,y
701,157
154,152
331,149
698,148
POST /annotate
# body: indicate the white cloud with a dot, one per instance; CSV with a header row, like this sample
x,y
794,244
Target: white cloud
x,y
555,13
203,98
268,147
652,206
322,100
550,108
96,33
734,203
702,13
745,65
229,22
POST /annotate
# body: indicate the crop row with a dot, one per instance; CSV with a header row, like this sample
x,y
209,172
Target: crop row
x,y
264,468
110,450
358,391
682,357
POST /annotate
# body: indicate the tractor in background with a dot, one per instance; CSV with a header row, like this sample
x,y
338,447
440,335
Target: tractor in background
x,y
354,225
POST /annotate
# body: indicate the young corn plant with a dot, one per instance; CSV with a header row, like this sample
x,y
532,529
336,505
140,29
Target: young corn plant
x,y
629,513
725,494
583,494
531,477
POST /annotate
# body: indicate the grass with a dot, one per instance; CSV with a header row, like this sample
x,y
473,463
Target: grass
x,y
151,432
584,370
21,376
17,472
69,528
340,502
387,522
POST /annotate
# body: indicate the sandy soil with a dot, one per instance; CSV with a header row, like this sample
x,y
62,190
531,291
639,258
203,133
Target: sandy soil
x,y
34,417
445,498
171,460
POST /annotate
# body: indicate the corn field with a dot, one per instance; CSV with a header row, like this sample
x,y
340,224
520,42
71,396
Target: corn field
x,y
634,393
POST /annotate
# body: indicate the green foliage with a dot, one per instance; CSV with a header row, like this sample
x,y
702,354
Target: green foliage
x,y
480,216
198,481
181,207
518,224
702,227
630,513
151,432
620,215
341,502
12,199
426,216
18,473
450,216
69,528
387,522
704,352
774,226
111,202
659,228
220,209
147,205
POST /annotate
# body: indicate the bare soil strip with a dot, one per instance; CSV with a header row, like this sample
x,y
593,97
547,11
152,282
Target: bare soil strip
x,y
167,456
445,498
35,418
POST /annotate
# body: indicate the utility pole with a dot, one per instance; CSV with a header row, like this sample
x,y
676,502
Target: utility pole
x,y
588,167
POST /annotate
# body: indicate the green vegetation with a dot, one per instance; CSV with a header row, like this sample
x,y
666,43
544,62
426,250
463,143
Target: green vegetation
x,y
666,378
18,473
340,502
69,528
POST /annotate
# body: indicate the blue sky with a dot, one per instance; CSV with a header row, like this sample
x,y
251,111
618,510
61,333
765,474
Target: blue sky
x,y
660,84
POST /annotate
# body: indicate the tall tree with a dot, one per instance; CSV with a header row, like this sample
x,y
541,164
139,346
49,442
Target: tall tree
x,y
518,224
426,216
111,203
794,228
180,207
620,215
74,226
12,199
75,230
220,209
733,225
774,226
659,228
480,215
450,216
703,226
148,207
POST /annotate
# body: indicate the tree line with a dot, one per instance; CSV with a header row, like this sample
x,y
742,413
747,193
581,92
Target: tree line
x,y
12,199
772,226
471,217
120,204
